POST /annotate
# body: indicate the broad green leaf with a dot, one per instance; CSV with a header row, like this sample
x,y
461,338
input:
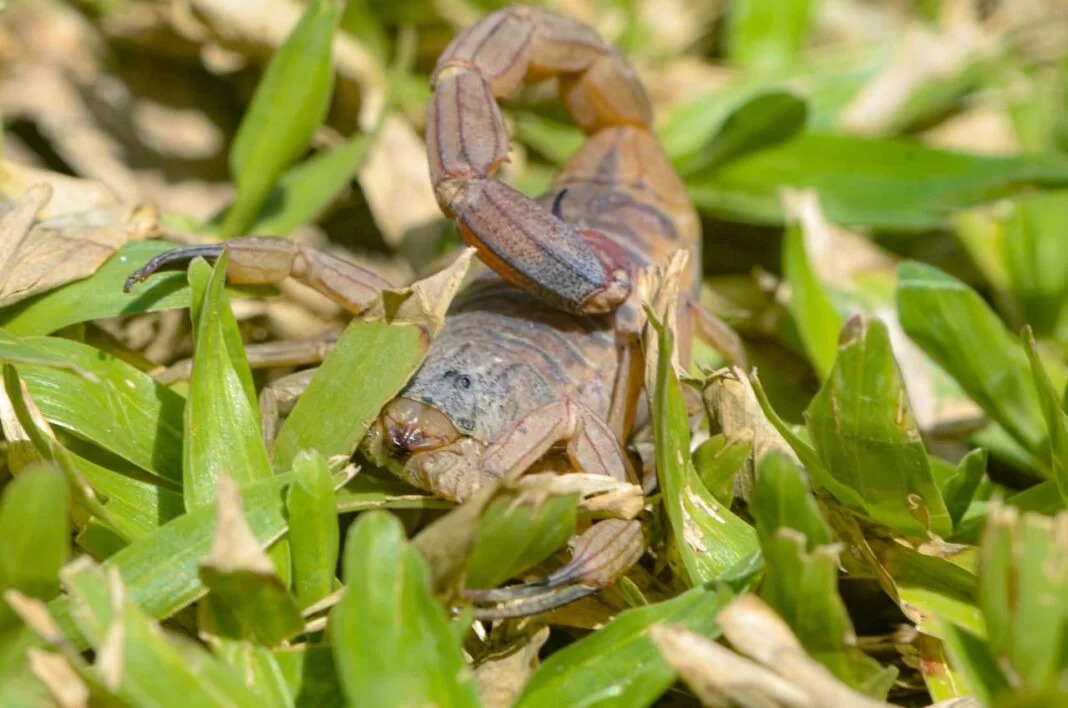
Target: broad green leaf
x,y
515,536
16,350
35,529
960,332
618,665
863,430
1036,261
1056,418
709,538
767,37
815,316
369,365
881,184
290,102
160,570
152,668
100,295
314,537
392,640
712,131
305,190
781,499
117,408
1023,591
222,421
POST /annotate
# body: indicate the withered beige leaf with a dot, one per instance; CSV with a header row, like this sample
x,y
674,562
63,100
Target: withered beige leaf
x,y
502,677
754,629
396,165
234,547
64,248
718,676
730,400
70,195
426,301
59,677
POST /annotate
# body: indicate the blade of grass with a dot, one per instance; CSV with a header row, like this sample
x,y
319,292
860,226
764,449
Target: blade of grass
x,y
222,422
392,640
290,102
313,528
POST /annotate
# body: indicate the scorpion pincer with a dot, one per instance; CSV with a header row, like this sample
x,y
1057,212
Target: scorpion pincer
x,y
539,364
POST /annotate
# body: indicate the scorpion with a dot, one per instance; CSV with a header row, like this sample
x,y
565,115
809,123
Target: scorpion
x,y
539,364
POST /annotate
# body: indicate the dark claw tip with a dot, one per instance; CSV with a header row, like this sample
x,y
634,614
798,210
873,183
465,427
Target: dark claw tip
x,y
176,259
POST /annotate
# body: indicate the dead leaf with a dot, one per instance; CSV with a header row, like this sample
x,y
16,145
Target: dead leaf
x,y
754,629
395,164
718,676
70,195
234,547
502,677
66,687
426,301
67,246
730,400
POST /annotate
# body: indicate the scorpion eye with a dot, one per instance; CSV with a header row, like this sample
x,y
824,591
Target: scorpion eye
x,y
466,424
464,381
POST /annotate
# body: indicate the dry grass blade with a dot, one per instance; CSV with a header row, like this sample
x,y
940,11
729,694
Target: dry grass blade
x,y
755,630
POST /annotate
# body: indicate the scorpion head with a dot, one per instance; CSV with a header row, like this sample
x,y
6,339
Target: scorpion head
x,y
420,444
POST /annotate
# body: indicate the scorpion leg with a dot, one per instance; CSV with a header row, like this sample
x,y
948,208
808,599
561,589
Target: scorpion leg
x,y
605,551
575,269
263,260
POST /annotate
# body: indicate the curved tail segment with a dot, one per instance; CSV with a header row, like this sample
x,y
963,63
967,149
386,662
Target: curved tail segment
x,y
467,142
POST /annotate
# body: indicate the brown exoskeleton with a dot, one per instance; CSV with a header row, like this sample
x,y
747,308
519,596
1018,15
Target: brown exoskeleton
x,y
541,351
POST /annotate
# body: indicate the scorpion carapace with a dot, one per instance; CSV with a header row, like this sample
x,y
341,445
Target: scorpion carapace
x,y
547,375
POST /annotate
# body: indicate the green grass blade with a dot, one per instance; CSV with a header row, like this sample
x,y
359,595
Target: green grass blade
x,y
160,570
392,640
709,538
881,184
863,430
117,407
248,600
150,667
369,365
305,190
1035,258
222,421
1056,419
767,37
715,130
290,102
35,528
781,499
314,537
1023,591
963,335
100,295
618,665
516,533
815,316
